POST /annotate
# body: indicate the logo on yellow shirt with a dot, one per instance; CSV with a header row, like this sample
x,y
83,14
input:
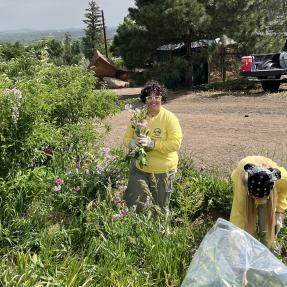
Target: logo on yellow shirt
x,y
157,132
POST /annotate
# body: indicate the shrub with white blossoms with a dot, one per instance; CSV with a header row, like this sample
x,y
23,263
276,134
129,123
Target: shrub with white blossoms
x,y
17,103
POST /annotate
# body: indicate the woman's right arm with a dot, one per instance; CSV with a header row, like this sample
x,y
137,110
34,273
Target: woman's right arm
x,y
238,210
128,135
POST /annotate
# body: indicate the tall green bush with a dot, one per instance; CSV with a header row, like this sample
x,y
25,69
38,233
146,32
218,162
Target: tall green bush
x,y
47,112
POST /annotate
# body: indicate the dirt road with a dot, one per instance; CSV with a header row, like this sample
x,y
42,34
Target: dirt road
x,y
220,128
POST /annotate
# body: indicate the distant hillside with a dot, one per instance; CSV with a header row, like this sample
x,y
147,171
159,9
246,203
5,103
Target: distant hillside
x,y
27,36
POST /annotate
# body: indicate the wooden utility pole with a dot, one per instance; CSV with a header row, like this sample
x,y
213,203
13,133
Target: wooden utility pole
x,y
105,37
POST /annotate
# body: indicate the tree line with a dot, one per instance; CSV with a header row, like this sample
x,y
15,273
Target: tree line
x,y
254,25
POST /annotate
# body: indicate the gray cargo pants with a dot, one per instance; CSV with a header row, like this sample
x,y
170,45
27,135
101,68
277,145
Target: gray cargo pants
x,y
157,187
261,211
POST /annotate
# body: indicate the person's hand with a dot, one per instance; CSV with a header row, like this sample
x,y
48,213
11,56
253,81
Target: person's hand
x,y
134,143
146,141
279,218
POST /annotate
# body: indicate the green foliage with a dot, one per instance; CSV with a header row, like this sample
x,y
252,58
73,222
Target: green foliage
x,y
48,112
72,51
77,232
201,195
59,53
60,205
9,51
62,218
118,62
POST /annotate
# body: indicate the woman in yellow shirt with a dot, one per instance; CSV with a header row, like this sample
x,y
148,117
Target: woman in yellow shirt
x,y
156,178
259,195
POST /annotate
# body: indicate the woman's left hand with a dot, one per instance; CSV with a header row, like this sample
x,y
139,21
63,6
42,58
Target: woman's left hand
x,y
146,141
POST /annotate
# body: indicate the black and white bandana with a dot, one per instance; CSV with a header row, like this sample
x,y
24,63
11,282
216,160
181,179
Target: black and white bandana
x,y
261,180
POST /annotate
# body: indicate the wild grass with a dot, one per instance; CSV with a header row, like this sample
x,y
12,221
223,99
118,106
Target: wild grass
x,y
73,239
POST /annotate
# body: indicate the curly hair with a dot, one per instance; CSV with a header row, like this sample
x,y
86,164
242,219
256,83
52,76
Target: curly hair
x,y
155,88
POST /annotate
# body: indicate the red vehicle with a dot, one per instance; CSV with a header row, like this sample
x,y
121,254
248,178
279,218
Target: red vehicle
x,y
269,69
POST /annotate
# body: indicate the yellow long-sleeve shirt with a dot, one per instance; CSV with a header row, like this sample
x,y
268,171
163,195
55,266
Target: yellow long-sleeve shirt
x,y
165,130
238,211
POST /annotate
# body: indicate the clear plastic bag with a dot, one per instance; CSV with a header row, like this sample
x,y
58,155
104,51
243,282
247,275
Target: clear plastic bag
x,y
230,257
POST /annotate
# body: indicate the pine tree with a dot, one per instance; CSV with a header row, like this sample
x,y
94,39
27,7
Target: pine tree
x,y
93,38
152,23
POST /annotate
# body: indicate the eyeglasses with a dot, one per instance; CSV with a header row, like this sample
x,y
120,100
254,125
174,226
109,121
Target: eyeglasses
x,y
153,98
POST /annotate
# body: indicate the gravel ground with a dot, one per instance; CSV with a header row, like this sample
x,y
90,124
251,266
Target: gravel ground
x,y
220,128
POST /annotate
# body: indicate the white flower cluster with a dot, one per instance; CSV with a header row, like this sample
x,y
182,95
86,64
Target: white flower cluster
x,y
15,109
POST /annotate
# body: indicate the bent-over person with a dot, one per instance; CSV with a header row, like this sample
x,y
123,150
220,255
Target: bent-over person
x,y
259,197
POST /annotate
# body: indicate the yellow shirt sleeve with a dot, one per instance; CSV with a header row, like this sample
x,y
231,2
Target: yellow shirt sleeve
x,y
281,188
129,134
237,216
174,137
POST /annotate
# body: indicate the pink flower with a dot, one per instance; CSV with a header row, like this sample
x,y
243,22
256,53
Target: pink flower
x,y
119,200
58,181
120,216
122,213
143,124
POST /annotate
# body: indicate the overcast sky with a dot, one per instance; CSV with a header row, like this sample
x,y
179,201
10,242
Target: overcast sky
x,y
56,14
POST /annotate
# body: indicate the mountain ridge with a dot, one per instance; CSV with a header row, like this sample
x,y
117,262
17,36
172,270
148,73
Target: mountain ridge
x,y
27,36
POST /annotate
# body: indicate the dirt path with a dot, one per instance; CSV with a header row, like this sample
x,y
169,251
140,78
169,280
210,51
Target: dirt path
x,y
221,128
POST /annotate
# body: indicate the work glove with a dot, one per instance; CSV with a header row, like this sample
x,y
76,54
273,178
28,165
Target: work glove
x,y
146,141
134,143
279,218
